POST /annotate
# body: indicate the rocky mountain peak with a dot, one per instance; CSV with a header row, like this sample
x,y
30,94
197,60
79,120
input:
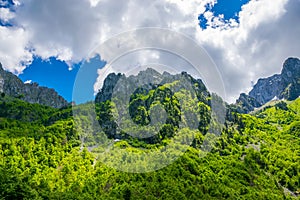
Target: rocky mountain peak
x,y
11,85
148,79
291,68
149,72
280,86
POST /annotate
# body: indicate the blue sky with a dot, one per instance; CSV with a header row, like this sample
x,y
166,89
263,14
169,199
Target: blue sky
x,y
5,4
250,41
228,8
55,73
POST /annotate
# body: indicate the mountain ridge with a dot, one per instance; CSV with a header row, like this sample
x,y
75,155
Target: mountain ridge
x,y
148,78
46,154
11,85
285,85
143,92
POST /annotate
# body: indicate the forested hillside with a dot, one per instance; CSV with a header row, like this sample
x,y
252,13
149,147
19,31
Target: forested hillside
x,y
149,100
42,157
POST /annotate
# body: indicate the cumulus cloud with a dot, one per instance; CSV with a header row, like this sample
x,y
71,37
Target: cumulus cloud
x,y
71,29
14,52
28,82
6,15
258,46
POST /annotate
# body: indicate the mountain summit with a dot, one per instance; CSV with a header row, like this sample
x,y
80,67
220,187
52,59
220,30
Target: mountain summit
x,y
139,105
279,86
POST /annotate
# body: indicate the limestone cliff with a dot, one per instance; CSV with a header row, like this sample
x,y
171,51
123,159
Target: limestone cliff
x,y
11,85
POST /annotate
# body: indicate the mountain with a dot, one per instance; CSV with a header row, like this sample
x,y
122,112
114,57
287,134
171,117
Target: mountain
x,y
143,92
285,85
11,85
43,156
148,79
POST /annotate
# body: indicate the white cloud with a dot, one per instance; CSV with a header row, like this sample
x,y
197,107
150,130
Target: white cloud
x,y
258,46
14,54
6,15
28,82
3,3
94,2
71,29
16,2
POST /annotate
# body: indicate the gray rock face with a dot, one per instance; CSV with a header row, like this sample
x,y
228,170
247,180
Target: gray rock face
x,y
1,83
291,70
108,86
267,88
148,79
283,86
11,85
280,86
247,103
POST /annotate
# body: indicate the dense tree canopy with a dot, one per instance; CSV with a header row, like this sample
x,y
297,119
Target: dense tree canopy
x,y
42,156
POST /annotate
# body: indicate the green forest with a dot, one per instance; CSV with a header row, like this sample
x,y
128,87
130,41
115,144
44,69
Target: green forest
x,y
257,155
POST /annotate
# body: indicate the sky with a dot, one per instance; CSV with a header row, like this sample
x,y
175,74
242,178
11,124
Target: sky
x,y
47,41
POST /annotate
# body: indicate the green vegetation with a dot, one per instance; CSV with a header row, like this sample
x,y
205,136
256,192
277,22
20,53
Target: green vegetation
x,y
41,155
166,111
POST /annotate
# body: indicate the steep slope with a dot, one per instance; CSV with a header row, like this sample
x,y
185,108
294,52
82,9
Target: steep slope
x,y
285,85
256,157
146,77
148,91
11,85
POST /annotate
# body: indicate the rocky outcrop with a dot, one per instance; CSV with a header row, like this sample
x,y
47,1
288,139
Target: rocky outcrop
x,y
148,79
1,83
266,89
283,86
246,103
279,86
151,98
11,85
108,86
